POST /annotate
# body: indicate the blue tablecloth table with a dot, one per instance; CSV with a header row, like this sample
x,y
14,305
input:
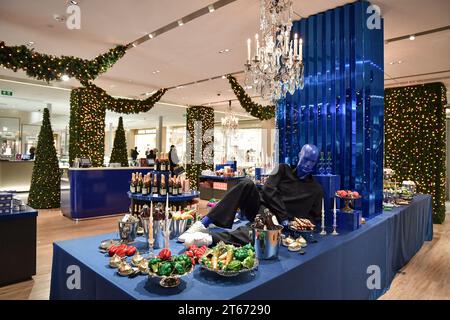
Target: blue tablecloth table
x,y
336,267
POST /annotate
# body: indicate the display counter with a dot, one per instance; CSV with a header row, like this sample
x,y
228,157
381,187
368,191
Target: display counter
x,y
96,192
18,245
216,186
336,267
16,175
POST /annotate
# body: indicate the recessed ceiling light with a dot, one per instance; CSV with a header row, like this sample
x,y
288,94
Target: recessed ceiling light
x,y
73,2
412,37
179,87
156,71
223,77
224,50
180,23
150,35
65,77
400,61
211,8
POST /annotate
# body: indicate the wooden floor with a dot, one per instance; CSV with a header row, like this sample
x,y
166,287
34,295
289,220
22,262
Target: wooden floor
x,y
426,276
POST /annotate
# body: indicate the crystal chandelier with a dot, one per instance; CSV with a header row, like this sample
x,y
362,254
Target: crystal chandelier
x,y
230,121
276,67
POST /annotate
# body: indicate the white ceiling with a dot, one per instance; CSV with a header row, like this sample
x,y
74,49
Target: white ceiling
x,y
191,52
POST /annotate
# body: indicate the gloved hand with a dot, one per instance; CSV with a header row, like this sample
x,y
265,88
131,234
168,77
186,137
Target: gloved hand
x,y
199,239
285,223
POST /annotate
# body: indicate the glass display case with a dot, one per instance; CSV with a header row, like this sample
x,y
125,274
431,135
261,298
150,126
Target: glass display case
x,y
9,137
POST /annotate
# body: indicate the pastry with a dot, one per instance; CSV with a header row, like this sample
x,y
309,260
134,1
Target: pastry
x,y
302,241
125,269
295,246
143,266
115,261
136,260
287,241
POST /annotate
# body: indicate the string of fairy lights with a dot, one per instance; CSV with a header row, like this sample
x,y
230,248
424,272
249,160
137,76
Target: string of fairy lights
x,y
49,68
203,116
45,191
415,139
257,110
88,107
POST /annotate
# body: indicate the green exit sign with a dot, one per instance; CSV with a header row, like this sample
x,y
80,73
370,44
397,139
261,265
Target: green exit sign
x,y
7,93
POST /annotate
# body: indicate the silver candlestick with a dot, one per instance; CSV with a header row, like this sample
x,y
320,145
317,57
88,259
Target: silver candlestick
x,y
323,232
334,233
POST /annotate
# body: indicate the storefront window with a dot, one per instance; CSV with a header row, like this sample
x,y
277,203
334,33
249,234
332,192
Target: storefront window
x,y
145,139
177,136
9,137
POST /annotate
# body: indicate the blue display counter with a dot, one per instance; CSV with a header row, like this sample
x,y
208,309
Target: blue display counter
x,y
18,245
336,267
96,192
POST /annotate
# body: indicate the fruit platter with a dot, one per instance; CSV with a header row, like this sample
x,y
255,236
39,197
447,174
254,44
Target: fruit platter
x,y
348,196
228,260
169,269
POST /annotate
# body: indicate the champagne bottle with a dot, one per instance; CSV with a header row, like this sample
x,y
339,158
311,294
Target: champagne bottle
x,y
146,184
179,187
163,188
155,184
163,163
157,164
139,183
132,183
175,186
171,186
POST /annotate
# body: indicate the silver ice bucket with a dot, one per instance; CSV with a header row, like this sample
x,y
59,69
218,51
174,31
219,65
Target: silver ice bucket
x,y
267,242
178,227
128,231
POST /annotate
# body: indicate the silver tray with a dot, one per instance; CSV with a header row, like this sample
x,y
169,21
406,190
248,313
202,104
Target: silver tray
x,y
227,273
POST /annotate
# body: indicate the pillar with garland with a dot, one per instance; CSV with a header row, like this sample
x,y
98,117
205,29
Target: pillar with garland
x,y
200,142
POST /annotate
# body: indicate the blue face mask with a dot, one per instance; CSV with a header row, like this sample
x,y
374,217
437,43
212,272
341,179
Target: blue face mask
x,y
308,158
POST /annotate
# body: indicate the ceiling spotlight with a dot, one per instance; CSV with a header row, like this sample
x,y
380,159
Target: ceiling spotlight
x,y
223,77
211,8
179,87
134,45
65,77
156,71
412,37
73,2
224,50
150,35
400,61
180,23
30,44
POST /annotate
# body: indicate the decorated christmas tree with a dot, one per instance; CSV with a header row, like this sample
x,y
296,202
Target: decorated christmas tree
x,y
119,152
45,190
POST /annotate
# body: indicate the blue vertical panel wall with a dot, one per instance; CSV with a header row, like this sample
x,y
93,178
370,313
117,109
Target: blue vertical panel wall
x,y
340,108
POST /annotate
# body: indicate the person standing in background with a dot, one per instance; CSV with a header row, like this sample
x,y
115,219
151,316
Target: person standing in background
x,y
32,153
173,157
151,155
134,153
